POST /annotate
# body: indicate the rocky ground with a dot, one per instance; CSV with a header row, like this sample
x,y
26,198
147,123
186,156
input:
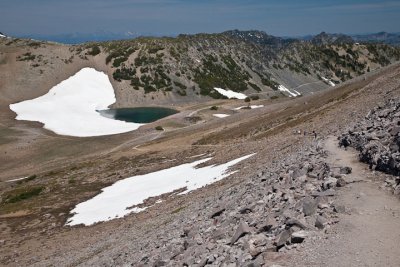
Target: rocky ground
x,y
377,140
279,209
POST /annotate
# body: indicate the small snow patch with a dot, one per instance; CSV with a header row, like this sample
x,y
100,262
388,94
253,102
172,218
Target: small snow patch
x,y
328,81
286,90
230,93
221,115
115,201
17,179
251,107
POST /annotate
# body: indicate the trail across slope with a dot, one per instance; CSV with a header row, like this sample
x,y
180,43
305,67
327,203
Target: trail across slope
x,y
368,232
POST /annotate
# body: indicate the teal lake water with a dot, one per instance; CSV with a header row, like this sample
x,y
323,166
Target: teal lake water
x,y
138,115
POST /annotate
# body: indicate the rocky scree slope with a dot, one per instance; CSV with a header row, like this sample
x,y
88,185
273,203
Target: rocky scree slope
x,y
276,210
377,138
243,61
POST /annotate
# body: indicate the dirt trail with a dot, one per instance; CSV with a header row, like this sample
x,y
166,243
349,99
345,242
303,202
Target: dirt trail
x,y
368,233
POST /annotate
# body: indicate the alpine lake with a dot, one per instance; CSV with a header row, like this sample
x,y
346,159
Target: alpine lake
x,y
139,114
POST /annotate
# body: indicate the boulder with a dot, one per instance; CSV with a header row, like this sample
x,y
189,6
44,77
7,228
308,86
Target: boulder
x,y
345,170
309,206
298,237
241,230
339,208
320,222
283,238
217,212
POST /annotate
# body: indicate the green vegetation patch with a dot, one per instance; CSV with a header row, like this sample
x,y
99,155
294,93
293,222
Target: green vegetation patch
x,y
124,74
28,56
94,50
119,54
214,74
23,194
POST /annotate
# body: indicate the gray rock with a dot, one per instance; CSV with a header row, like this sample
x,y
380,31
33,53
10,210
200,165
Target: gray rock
x,y
329,183
242,230
160,263
294,222
283,238
217,212
298,237
320,222
339,208
341,182
345,170
269,224
327,193
309,206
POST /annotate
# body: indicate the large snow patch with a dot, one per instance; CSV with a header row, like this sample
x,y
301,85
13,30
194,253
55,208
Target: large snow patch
x,y
114,201
70,108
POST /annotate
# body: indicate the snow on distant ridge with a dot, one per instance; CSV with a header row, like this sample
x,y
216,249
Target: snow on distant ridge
x,y
117,200
284,89
2,35
230,93
328,81
71,107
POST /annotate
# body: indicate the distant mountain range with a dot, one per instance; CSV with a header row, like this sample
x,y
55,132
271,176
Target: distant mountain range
x,y
79,38
322,38
380,37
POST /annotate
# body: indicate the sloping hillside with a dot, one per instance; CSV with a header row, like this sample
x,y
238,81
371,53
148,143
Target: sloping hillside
x,y
189,67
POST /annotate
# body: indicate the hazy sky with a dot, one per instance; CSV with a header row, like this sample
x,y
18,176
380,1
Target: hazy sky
x,y
278,17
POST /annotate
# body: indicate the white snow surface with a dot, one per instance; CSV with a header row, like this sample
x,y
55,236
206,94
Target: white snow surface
x,y
70,108
2,36
251,106
17,179
221,115
114,201
230,93
328,81
284,89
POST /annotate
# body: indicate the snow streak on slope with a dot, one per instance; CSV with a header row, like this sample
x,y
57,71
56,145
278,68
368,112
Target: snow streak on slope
x,y
284,89
230,93
114,201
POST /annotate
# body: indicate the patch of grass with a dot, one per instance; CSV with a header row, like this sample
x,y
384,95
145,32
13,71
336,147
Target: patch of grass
x,y
255,86
180,85
270,83
34,44
94,51
26,193
26,57
214,74
159,128
178,210
214,108
124,74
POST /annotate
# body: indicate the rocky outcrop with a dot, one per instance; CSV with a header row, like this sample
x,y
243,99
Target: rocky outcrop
x,y
377,138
